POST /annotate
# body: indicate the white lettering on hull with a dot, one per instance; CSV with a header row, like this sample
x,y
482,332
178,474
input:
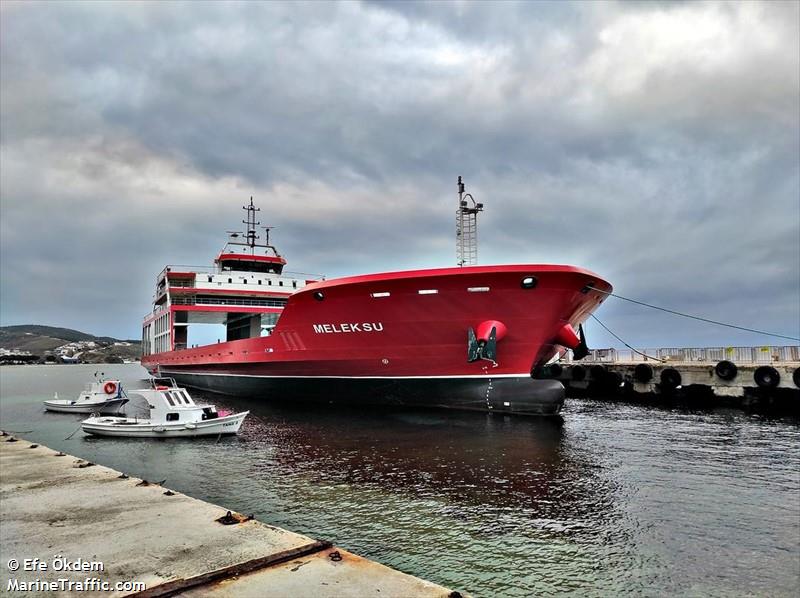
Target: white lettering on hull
x,y
348,327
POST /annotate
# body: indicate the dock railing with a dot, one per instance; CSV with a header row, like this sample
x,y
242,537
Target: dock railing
x,y
762,354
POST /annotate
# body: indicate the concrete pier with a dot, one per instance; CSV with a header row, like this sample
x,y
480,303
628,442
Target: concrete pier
x,y
776,384
78,525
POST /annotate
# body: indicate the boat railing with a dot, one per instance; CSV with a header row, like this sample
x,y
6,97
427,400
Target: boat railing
x,y
712,355
162,381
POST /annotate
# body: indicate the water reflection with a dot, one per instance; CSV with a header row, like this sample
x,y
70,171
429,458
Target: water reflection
x,y
471,461
612,499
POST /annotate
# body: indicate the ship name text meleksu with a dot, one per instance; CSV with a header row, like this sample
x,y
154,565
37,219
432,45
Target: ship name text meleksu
x,y
348,327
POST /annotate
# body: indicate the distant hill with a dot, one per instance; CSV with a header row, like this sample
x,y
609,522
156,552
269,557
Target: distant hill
x,y
66,334
46,341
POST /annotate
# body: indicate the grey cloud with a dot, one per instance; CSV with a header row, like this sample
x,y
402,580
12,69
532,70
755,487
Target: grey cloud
x,y
670,167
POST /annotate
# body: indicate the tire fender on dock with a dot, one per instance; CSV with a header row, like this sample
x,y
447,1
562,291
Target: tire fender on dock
x,y
643,373
766,377
726,370
670,378
578,373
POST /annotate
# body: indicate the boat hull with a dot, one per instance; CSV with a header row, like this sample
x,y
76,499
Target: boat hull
x,y
406,338
84,407
504,394
213,427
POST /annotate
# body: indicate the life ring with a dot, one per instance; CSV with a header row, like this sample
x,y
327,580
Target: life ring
x,y
767,377
110,388
162,387
643,373
726,370
670,379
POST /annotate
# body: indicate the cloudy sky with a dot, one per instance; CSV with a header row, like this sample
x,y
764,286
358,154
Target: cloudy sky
x,y
656,143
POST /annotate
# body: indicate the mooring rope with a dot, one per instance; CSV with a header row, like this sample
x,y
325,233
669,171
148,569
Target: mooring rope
x,y
75,432
626,344
707,320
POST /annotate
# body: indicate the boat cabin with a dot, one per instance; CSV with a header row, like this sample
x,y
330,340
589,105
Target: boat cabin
x,y
168,402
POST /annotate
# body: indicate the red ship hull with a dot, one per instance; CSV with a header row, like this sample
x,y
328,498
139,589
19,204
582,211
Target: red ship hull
x,y
401,338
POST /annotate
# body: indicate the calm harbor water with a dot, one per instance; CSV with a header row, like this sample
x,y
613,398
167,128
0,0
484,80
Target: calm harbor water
x,y
615,499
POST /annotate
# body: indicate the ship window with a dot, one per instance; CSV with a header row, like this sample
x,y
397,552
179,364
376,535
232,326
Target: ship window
x,y
377,295
173,417
280,283
427,291
259,282
269,282
210,279
529,282
230,280
169,399
478,289
244,281
294,283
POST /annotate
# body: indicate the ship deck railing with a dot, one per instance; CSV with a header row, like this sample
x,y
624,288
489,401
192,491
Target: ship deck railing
x,y
216,270
229,301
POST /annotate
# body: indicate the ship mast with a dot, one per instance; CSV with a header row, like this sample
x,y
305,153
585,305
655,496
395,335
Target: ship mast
x,y
251,224
466,228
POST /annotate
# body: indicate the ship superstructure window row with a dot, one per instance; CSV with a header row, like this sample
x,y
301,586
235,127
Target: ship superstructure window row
x,y
254,301
221,280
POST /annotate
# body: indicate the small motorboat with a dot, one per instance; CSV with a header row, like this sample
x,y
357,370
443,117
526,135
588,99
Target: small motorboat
x,y
102,396
173,413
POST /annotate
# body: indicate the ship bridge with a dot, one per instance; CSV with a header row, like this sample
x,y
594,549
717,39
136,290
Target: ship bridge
x,y
236,259
245,291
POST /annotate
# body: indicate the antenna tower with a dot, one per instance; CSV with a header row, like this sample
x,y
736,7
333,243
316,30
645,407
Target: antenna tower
x,y
251,223
467,228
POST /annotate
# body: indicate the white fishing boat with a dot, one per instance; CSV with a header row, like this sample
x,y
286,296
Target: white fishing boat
x,y
172,413
101,396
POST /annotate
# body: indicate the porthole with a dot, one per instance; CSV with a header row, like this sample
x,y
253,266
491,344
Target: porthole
x,y
319,295
529,282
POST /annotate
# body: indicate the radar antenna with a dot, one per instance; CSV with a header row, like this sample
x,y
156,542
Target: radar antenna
x,y
266,234
467,228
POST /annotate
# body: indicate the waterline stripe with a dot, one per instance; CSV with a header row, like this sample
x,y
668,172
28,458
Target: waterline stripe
x,y
471,376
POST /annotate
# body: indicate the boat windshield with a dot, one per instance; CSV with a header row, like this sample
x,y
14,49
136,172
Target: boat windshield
x,y
177,397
